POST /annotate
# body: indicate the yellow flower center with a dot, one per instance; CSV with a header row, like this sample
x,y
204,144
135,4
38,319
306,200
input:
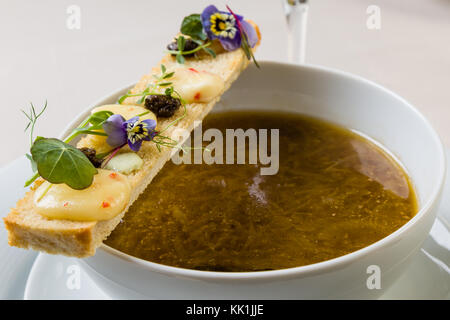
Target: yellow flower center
x,y
137,131
223,25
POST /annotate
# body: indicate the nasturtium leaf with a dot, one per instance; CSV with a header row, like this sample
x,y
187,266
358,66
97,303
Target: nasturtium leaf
x,y
192,26
58,162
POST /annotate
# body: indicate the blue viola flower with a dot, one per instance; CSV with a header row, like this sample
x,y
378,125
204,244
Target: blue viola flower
x,y
227,27
132,132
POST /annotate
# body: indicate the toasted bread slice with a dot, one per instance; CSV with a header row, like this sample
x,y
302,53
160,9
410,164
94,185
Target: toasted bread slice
x,y
28,229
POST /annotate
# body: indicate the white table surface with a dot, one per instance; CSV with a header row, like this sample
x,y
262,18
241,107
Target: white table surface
x,y
120,40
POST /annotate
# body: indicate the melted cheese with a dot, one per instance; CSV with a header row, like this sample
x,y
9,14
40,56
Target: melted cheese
x,y
108,196
197,86
125,163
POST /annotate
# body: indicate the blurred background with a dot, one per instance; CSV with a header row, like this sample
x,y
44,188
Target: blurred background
x,y
41,58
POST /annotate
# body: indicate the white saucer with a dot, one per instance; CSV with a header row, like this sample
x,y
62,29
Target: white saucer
x,y
428,276
51,278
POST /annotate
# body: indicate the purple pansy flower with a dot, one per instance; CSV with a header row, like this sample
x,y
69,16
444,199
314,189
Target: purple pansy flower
x,y
132,131
227,27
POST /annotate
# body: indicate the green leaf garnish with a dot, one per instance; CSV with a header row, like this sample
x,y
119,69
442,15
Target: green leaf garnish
x,y
122,98
166,76
31,180
98,118
183,53
58,162
210,52
247,50
169,91
150,89
181,41
95,120
33,163
141,100
180,58
192,26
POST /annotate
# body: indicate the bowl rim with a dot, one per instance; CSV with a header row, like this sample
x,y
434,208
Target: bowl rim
x,y
311,269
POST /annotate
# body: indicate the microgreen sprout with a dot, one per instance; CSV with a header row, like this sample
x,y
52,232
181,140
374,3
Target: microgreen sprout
x,y
33,117
161,81
181,52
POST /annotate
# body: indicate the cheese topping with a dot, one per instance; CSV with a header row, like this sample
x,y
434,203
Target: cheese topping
x,y
197,86
108,196
125,163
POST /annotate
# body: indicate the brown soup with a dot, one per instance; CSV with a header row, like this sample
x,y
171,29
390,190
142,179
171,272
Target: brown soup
x,y
335,192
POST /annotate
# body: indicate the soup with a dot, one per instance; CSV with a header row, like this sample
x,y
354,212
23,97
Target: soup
x,y
335,192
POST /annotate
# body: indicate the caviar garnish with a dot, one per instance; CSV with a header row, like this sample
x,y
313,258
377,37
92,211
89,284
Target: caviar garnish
x,y
189,45
91,154
162,105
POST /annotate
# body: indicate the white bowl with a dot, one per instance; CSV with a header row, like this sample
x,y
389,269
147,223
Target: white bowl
x,y
335,96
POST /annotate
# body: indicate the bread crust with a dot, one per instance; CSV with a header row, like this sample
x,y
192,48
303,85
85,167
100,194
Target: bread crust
x,y
28,229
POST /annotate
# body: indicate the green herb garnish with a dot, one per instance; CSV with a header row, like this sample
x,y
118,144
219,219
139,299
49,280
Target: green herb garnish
x,y
202,46
161,81
59,162
91,125
247,50
33,117
192,26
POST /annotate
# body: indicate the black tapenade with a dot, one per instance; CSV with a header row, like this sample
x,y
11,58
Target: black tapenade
x,y
91,155
162,105
188,46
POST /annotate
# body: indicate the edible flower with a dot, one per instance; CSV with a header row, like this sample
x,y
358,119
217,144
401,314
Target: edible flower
x,y
228,28
132,132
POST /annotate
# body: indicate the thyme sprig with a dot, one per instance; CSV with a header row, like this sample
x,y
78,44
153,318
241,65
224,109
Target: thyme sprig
x,y
161,82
